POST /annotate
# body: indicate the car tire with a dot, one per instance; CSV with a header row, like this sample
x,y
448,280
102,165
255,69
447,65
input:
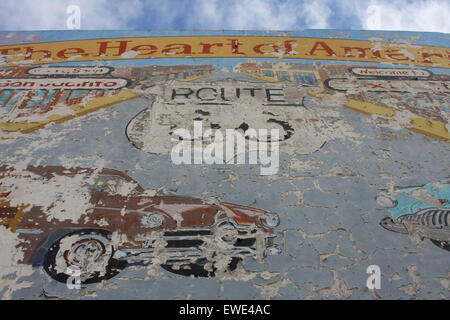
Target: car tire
x,y
198,268
87,250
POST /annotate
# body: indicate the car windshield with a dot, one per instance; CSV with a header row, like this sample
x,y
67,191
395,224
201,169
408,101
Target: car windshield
x,y
114,185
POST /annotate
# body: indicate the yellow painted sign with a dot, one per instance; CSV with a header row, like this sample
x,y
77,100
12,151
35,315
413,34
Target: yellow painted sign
x,y
431,128
224,47
76,110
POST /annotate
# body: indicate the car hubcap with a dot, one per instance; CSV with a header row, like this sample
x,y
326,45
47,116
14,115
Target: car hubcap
x,y
84,253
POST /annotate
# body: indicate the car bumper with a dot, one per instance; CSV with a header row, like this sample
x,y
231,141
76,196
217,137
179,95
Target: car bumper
x,y
260,248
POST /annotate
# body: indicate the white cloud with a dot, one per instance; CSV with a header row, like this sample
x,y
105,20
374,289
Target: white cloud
x,y
201,14
414,15
316,15
51,14
258,14
402,15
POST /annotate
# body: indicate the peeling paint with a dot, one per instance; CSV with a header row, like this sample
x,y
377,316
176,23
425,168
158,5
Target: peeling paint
x,y
87,182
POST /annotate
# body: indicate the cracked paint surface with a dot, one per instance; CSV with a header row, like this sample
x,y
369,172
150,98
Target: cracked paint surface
x,y
363,176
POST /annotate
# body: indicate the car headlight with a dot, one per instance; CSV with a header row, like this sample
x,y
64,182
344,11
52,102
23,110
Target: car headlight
x,y
386,201
270,220
152,219
228,232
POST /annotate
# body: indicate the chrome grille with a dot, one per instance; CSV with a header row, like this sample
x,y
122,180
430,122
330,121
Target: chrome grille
x,y
436,217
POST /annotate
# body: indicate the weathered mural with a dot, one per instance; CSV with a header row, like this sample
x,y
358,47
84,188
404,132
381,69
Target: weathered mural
x,y
122,174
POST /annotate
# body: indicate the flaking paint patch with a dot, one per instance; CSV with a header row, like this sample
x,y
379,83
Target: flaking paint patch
x,y
61,197
272,290
337,289
348,145
11,272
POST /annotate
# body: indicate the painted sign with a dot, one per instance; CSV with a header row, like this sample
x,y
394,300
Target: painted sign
x,y
391,72
224,47
290,163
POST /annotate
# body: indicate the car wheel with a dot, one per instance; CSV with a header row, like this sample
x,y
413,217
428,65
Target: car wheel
x,y
441,244
199,268
86,254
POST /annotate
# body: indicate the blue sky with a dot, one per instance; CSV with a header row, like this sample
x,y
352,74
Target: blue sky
x,y
402,15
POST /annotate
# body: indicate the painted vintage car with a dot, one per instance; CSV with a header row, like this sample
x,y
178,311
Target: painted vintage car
x,y
423,210
184,235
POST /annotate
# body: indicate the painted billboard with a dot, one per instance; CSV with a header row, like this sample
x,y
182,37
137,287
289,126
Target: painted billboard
x,y
227,165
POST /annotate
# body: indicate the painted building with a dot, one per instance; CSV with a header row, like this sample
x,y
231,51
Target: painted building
x,y
226,165
166,73
275,72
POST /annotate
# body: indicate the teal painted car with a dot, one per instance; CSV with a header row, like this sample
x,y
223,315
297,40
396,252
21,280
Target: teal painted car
x,y
421,210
